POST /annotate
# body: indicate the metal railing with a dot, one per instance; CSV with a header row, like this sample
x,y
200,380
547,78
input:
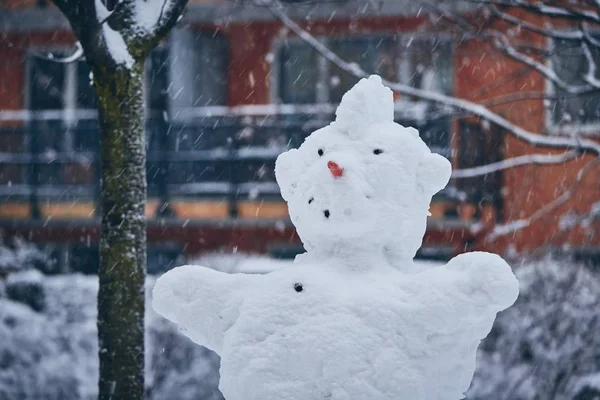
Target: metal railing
x,y
204,153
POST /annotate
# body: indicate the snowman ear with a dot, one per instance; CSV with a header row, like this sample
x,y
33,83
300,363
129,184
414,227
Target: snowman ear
x,y
433,173
287,172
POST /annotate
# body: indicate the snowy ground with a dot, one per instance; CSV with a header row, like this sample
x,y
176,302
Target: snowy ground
x,y
546,346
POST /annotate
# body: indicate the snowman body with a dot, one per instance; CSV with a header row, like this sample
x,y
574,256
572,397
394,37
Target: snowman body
x,y
354,317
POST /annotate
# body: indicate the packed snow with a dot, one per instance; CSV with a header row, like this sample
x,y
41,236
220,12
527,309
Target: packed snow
x,y
117,47
354,317
545,345
148,14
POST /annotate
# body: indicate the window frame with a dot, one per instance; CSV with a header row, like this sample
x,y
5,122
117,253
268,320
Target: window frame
x,y
70,109
324,66
590,129
404,107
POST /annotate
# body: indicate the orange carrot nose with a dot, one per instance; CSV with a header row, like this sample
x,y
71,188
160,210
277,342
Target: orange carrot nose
x,y
335,169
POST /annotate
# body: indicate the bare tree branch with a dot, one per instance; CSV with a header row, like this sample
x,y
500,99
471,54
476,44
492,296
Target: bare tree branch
x,y
542,9
439,98
502,44
517,225
590,76
75,56
536,159
171,13
520,23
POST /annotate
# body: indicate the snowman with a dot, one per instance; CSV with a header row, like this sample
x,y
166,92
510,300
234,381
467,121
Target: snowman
x,y
353,318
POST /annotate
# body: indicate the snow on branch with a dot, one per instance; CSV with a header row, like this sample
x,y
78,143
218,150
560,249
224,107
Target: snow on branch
x,y
75,56
116,46
536,159
501,43
546,10
155,18
590,75
548,32
438,98
517,225
102,13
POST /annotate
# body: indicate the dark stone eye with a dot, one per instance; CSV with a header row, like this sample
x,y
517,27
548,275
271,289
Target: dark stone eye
x,y
326,213
320,152
377,151
311,200
298,287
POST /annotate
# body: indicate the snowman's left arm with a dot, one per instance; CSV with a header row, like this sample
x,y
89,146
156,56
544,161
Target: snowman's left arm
x,y
203,302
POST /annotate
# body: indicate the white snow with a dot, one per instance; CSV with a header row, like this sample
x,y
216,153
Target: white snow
x,y
53,355
102,12
354,317
149,12
116,45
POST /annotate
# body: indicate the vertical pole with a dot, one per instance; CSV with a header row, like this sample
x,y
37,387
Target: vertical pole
x,y
123,233
34,171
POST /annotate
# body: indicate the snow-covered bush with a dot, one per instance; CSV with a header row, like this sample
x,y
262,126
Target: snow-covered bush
x,y
177,368
26,287
19,255
53,354
547,346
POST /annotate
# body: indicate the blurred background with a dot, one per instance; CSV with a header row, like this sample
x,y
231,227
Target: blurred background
x,y
508,91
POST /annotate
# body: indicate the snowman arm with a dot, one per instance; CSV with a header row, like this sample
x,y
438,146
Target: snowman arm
x,y
465,295
204,303
485,277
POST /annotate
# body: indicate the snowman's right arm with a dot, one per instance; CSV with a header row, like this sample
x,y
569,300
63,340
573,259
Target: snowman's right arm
x,y
486,276
203,302
471,289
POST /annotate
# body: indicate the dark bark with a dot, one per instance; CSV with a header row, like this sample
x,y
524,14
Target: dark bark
x,y
123,233
123,186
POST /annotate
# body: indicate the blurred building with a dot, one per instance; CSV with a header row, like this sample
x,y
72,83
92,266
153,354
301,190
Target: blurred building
x,y
230,89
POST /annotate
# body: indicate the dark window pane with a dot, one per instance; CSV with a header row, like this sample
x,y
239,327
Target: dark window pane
x,y
158,82
78,173
299,73
193,75
368,52
571,66
212,71
85,137
86,95
46,84
424,63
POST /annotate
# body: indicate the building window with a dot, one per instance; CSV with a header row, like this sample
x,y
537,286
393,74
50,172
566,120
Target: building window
x,y
570,64
57,93
188,73
194,70
305,77
423,62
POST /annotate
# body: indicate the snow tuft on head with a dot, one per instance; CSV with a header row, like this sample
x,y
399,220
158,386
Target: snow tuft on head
x,y
368,102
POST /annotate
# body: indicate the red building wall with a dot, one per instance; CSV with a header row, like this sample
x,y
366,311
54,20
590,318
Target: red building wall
x,y
527,189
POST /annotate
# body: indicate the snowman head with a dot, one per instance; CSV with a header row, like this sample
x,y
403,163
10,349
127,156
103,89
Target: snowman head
x,y
362,183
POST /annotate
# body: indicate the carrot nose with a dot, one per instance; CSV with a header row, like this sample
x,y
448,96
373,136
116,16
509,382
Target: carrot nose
x,y
335,169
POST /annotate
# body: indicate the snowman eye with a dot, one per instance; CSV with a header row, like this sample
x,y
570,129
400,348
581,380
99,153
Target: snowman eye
x,y
320,152
377,151
298,287
311,200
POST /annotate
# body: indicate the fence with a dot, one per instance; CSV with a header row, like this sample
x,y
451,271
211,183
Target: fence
x,y
210,153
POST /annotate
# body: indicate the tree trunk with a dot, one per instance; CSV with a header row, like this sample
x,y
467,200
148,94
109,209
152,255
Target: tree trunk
x,y
123,232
